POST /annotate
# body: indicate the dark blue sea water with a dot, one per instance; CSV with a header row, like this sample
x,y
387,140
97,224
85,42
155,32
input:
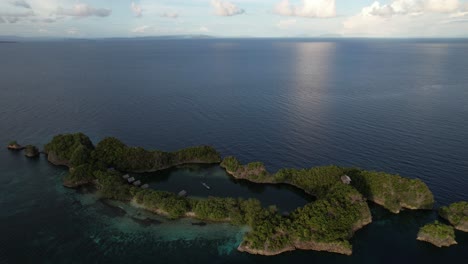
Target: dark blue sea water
x,y
399,106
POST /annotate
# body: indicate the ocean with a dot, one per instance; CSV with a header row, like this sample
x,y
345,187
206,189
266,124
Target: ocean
x,y
398,106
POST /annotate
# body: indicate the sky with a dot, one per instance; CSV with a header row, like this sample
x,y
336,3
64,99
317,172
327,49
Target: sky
x,y
234,18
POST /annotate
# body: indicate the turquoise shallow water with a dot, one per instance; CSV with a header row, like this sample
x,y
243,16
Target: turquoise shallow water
x,y
392,105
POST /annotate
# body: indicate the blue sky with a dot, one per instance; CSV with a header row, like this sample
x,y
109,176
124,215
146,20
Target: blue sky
x,y
234,18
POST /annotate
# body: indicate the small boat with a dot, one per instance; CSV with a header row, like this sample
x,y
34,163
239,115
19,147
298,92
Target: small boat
x,y
206,185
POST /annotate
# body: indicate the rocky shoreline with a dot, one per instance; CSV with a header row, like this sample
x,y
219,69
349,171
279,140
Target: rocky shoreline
x,y
438,234
340,208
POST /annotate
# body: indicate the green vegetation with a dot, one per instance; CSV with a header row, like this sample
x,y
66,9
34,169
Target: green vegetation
x,y
254,171
456,214
113,152
72,148
331,220
13,143
231,164
392,191
165,202
79,175
316,181
437,234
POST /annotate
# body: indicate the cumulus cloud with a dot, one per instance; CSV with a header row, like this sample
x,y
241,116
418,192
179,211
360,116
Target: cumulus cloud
x,y
170,15
84,10
140,29
405,18
225,8
21,3
411,7
307,8
137,10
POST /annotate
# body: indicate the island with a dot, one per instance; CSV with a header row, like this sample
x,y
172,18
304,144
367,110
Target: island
x,y
438,234
31,151
328,223
393,192
13,145
456,214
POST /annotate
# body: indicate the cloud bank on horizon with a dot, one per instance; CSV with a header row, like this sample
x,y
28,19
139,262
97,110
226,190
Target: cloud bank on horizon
x,y
235,18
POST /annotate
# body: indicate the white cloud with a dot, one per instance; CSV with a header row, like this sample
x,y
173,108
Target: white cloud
x,y
307,8
286,23
137,10
170,15
1,20
21,3
411,7
84,10
141,29
225,8
405,18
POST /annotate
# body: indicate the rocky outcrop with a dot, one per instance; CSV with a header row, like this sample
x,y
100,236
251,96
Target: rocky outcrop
x,y
333,247
54,159
392,192
438,234
31,151
264,252
14,146
456,214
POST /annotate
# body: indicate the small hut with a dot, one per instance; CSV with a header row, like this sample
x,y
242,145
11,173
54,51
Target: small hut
x,y
346,179
126,176
183,193
131,179
145,186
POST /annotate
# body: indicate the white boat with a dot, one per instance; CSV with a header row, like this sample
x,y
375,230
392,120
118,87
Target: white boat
x,y
206,185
